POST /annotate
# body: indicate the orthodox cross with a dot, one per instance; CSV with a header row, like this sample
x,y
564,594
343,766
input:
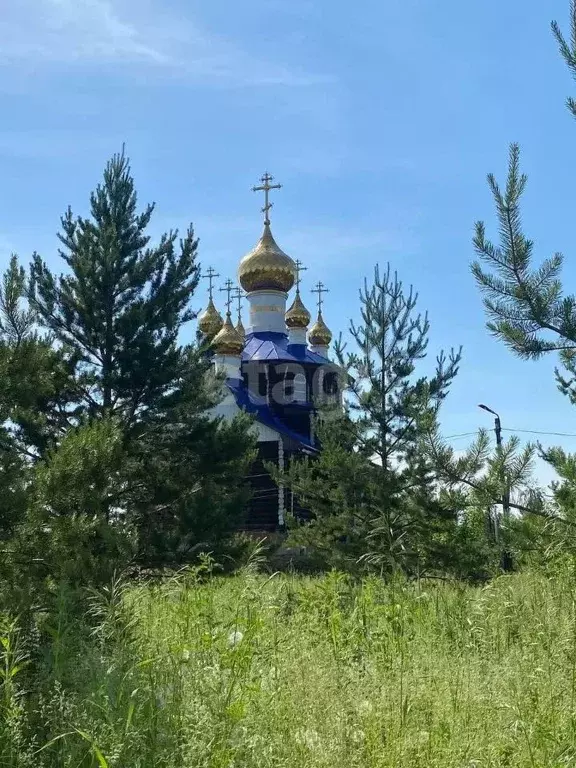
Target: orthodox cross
x,y
228,287
266,187
320,289
238,294
299,268
210,274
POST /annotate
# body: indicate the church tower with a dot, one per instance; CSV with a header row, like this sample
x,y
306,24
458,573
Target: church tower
x,y
266,273
275,369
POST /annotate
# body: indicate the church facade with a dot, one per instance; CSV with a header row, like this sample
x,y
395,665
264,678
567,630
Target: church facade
x,y
277,368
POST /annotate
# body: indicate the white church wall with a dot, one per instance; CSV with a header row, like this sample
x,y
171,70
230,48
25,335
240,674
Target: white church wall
x,y
229,365
267,310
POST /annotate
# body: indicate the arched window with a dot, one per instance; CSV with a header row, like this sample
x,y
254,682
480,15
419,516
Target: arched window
x,y
330,384
300,388
295,387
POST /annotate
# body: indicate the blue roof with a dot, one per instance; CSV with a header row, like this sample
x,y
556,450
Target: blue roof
x,y
259,408
274,346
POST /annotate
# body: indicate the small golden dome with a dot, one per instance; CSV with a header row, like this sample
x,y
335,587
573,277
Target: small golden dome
x,y
267,267
320,335
227,341
297,316
240,330
210,321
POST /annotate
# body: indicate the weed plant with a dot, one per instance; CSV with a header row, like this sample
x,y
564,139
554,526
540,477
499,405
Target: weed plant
x,y
256,671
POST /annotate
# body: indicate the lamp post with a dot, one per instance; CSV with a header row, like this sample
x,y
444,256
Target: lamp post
x,y
506,555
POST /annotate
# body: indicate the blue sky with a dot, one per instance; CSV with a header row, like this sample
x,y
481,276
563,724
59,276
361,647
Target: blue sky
x,y
381,120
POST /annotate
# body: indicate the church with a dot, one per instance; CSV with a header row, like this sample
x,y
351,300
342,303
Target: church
x,y
277,368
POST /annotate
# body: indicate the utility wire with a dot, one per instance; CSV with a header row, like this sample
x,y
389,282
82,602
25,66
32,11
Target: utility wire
x,y
508,429
535,432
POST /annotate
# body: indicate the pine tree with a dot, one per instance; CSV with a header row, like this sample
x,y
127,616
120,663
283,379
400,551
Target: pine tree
x,y
120,307
526,303
371,489
116,316
471,482
387,402
67,534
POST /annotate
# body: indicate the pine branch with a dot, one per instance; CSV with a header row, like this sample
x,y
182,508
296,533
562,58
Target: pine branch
x,y
522,300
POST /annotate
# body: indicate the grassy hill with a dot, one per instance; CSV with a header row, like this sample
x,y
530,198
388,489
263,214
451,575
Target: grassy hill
x,y
252,671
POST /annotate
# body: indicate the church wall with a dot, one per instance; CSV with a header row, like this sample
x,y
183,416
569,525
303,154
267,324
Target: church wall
x,y
267,310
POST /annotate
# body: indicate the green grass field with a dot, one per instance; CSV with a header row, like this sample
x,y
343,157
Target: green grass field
x,y
253,671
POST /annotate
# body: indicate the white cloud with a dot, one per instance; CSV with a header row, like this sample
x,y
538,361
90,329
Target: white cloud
x,y
66,32
62,31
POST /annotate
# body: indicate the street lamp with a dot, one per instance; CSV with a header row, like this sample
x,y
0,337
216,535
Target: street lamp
x,y
506,556
497,424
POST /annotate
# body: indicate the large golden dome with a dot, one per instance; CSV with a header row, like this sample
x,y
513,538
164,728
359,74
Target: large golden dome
x,y
267,267
297,316
228,341
320,335
210,321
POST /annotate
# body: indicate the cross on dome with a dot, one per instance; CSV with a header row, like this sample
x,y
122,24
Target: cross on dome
x,y
320,289
299,268
210,275
238,294
266,187
228,287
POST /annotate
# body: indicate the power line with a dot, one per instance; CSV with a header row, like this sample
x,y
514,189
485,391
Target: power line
x,y
536,432
508,429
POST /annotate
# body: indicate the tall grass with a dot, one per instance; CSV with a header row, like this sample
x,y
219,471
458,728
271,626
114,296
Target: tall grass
x,y
255,671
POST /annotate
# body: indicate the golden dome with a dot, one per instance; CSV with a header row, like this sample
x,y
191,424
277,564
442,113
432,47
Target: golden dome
x,y
267,267
240,330
228,341
297,316
210,321
320,335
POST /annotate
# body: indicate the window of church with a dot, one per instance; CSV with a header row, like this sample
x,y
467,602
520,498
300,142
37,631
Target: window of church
x,y
288,386
330,384
299,388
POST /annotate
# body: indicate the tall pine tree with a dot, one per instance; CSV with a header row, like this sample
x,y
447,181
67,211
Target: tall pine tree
x,y
527,304
116,314
122,303
371,489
